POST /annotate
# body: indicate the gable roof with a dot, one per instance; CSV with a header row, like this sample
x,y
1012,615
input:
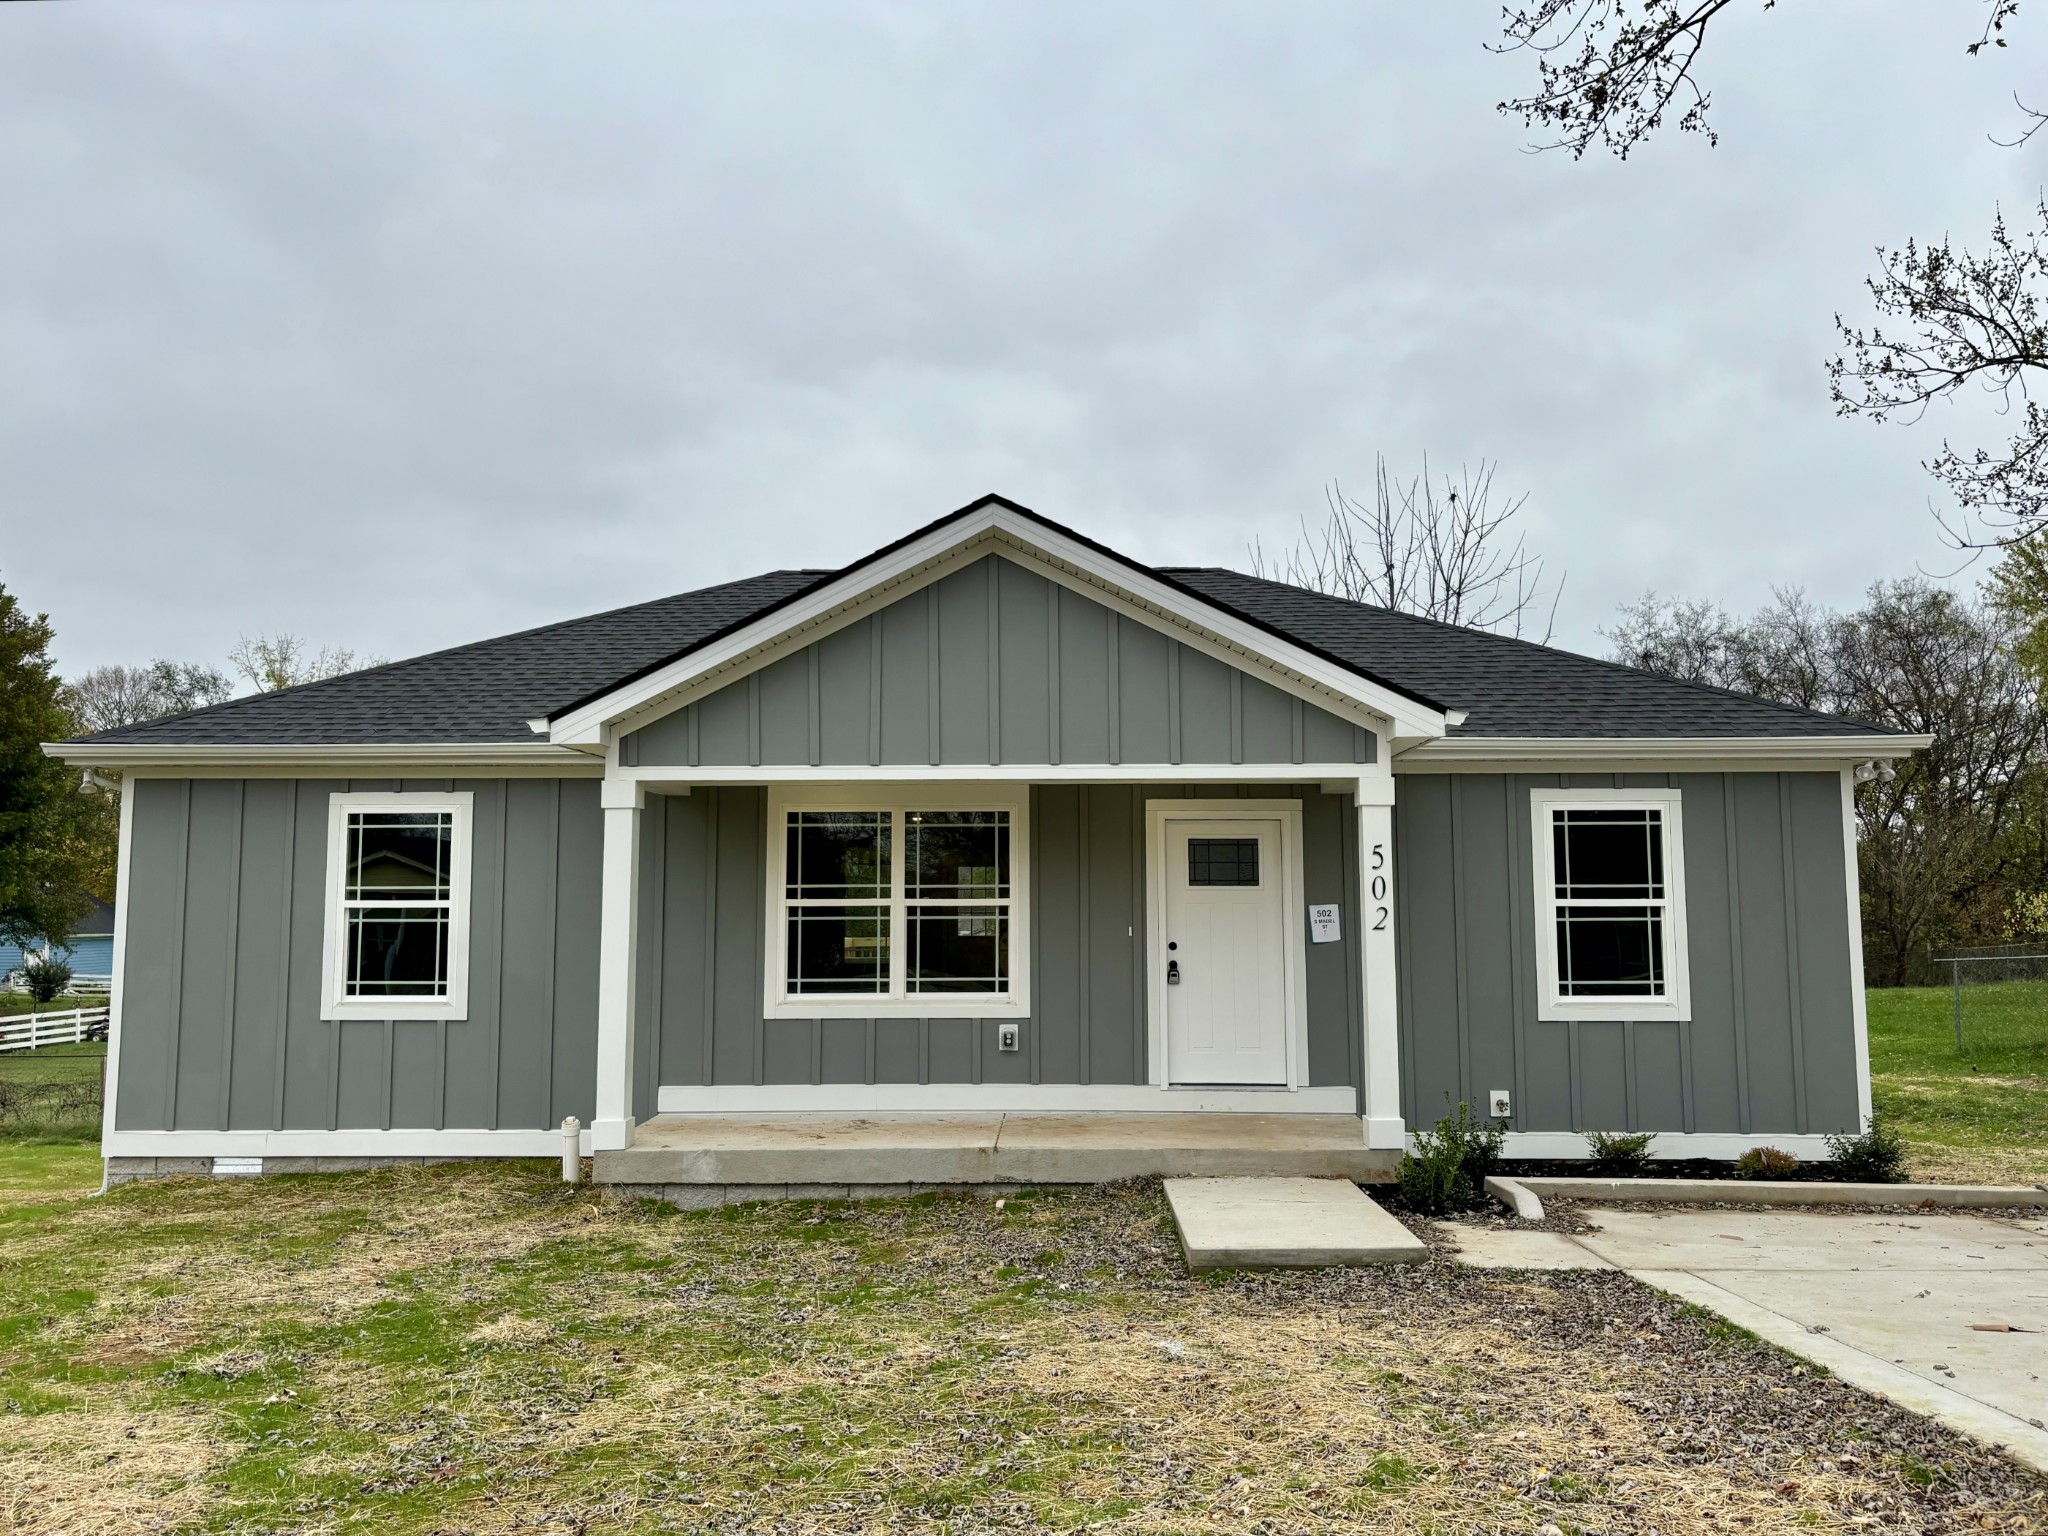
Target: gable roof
x,y
482,693
1509,687
490,694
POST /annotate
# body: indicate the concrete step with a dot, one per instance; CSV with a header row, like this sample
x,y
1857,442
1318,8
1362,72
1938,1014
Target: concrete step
x,y
1266,1223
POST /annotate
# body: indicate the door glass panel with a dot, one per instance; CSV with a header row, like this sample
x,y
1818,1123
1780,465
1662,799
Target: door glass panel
x,y
1223,861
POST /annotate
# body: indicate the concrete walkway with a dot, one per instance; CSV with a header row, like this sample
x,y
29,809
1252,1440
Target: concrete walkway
x,y
1285,1224
1910,1306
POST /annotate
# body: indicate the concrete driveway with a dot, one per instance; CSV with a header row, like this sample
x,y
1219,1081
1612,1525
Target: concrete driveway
x,y
1912,1306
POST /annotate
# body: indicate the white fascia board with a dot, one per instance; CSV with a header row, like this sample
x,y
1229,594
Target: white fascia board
x,y
1131,592
346,760
664,779
1494,754
451,1143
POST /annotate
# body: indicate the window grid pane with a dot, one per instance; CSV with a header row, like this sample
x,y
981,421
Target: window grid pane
x,y
838,855
1610,951
399,855
964,855
1223,861
1608,855
838,950
959,949
397,951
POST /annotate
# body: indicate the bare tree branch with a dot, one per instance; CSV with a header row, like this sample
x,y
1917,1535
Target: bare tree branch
x,y
1443,554
1972,319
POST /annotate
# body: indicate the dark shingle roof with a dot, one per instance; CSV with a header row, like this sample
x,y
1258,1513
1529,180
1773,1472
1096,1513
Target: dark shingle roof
x,y
486,692
1509,687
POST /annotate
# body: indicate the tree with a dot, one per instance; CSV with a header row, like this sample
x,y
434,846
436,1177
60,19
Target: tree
x,y
1443,554
1611,78
111,696
1954,845
42,807
282,660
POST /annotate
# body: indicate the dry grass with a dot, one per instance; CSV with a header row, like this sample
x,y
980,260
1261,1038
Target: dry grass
x,y
476,1349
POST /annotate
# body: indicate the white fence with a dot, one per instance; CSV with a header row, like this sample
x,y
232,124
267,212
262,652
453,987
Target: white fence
x,y
26,1031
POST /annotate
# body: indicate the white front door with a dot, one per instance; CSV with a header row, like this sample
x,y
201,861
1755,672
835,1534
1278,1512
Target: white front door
x,y
1225,961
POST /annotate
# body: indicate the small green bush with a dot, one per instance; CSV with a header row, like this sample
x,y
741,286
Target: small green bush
x,y
46,978
1624,1154
1766,1163
1877,1156
1449,1167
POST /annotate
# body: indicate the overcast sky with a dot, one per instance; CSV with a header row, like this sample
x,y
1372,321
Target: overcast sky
x,y
398,326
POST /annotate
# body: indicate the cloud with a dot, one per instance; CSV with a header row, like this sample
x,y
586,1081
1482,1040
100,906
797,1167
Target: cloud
x,y
402,326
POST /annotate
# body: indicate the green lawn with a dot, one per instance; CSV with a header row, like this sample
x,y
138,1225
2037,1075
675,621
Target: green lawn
x,y
52,1092
20,1002
1979,1112
481,1349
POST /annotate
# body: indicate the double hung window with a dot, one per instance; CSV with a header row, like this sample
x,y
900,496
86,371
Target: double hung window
x,y
1610,904
397,940
908,908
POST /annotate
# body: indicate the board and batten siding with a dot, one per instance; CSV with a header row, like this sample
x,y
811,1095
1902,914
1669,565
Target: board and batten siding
x,y
702,952
220,1000
996,664
1770,1048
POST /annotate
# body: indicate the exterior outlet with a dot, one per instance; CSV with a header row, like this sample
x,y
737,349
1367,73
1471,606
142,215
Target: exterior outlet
x,y
1499,1106
1006,1037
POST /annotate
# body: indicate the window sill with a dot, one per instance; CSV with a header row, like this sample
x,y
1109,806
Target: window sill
x,y
1643,1010
407,1009
951,1006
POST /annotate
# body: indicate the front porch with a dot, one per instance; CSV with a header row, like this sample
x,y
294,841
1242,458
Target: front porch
x,y
709,1159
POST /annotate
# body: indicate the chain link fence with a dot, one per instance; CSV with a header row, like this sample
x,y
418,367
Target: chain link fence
x,y
1999,1004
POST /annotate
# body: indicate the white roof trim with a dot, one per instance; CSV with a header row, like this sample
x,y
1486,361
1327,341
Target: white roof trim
x,y
478,754
1072,563
1661,750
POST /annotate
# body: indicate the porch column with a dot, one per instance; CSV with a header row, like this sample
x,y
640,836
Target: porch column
x,y
1384,1127
618,965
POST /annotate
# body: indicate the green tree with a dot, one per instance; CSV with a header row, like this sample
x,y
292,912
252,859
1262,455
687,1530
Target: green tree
x,y
44,813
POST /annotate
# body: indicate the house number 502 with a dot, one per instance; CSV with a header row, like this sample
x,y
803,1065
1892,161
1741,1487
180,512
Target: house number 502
x,y
1379,887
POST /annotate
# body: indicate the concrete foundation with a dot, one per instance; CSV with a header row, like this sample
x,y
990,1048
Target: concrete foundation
x,y
913,1151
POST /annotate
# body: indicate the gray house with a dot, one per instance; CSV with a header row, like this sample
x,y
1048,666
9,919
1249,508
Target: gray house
x,y
995,855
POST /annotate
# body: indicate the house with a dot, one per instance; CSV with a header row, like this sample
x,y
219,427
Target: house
x,y
89,950
995,855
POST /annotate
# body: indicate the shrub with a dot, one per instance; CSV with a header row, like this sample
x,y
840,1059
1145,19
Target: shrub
x,y
1766,1163
1449,1167
1625,1154
46,978
1877,1156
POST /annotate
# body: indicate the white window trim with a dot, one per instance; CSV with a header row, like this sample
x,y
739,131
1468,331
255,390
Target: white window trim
x,y
333,1005
1677,1001
776,1003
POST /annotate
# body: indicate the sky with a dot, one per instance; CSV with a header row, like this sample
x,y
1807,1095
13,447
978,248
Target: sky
x,y
399,326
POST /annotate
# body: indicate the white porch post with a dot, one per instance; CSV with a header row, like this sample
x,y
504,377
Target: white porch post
x,y
1384,1127
618,966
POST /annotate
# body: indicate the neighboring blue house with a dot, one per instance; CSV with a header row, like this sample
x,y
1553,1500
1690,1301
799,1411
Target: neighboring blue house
x,y
90,950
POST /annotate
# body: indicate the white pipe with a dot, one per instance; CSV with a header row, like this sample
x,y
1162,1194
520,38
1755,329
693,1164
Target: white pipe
x,y
572,1151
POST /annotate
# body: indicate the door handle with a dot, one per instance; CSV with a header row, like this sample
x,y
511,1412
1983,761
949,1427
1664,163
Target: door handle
x,y
1173,973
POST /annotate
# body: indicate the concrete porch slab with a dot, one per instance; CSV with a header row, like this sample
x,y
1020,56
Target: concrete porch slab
x,y
1285,1223
929,1149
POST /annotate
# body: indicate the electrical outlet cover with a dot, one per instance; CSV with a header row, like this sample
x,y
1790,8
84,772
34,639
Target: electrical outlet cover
x,y
1501,1104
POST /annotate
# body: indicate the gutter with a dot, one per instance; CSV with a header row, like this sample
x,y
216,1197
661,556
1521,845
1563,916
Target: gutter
x,y
518,754
1659,749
